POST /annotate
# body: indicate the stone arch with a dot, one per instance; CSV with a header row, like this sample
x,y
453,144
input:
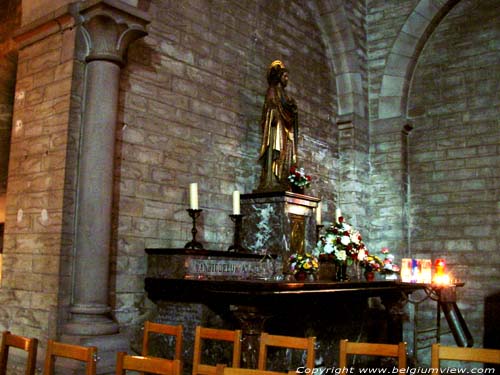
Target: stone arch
x,y
342,51
402,58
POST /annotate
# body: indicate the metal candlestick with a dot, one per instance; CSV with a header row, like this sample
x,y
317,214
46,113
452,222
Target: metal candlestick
x,y
318,231
236,246
193,244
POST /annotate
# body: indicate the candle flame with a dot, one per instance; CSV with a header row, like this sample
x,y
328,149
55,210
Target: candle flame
x,y
442,279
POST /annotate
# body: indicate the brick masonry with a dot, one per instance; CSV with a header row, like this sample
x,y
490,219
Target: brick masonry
x,y
190,103
33,280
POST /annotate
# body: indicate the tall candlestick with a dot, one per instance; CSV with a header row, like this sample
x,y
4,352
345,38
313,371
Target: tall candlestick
x,y
236,202
318,214
193,196
338,214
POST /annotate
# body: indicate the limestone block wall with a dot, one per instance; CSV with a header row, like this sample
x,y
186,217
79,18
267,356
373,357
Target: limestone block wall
x,y
191,102
454,152
435,188
10,18
385,20
32,273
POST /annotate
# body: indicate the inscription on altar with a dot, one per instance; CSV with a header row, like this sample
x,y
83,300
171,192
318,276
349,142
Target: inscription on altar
x,y
229,268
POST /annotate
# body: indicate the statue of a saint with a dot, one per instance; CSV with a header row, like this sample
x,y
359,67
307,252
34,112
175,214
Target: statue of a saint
x,y
279,123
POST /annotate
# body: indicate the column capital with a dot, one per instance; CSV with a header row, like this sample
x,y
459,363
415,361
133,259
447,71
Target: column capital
x,y
109,26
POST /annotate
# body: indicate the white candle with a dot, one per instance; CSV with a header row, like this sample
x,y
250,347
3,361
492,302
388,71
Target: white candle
x,y
193,196
236,202
338,214
318,214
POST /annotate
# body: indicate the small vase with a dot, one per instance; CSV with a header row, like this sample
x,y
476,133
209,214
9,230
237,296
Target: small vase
x,y
327,270
342,272
369,275
300,276
297,189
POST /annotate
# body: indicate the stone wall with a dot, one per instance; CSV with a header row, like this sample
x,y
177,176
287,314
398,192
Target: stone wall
x,y
435,188
32,275
10,18
190,104
454,152
192,97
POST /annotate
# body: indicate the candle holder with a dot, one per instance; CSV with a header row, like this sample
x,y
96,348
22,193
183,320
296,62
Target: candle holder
x,y
319,227
193,244
236,246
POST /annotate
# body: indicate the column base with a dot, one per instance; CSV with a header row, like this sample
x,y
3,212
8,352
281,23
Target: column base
x,y
91,325
90,320
107,347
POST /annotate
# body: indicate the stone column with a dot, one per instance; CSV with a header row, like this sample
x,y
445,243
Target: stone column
x,y
108,27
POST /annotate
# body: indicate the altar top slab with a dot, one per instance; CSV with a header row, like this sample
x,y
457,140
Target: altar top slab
x,y
269,291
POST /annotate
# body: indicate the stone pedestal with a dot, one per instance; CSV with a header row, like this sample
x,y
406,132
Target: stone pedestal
x,y
281,223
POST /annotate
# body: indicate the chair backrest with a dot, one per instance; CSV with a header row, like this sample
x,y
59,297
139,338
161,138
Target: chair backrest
x,y
164,329
224,370
85,354
150,365
453,353
372,349
289,342
29,345
203,333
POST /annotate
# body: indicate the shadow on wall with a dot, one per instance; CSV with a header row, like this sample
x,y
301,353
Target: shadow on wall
x,y
491,327
491,337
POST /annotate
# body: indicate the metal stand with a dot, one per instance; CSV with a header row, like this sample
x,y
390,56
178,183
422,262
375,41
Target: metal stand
x,y
236,246
193,244
445,298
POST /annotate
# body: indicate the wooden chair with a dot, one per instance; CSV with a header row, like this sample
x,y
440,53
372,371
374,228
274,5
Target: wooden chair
x,y
86,354
289,342
224,370
453,353
371,349
150,365
164,329
29,345
203,333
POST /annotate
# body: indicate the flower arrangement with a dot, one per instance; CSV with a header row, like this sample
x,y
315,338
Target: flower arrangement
x,y
383,263
298,177
389,265
342,243
371,263
306,263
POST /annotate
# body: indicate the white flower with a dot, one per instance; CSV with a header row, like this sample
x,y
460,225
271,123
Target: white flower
x,y
355,237
329,248
361,255
341,255
345,240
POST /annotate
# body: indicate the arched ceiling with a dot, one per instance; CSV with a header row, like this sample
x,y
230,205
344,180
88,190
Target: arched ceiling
x,y
345,49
